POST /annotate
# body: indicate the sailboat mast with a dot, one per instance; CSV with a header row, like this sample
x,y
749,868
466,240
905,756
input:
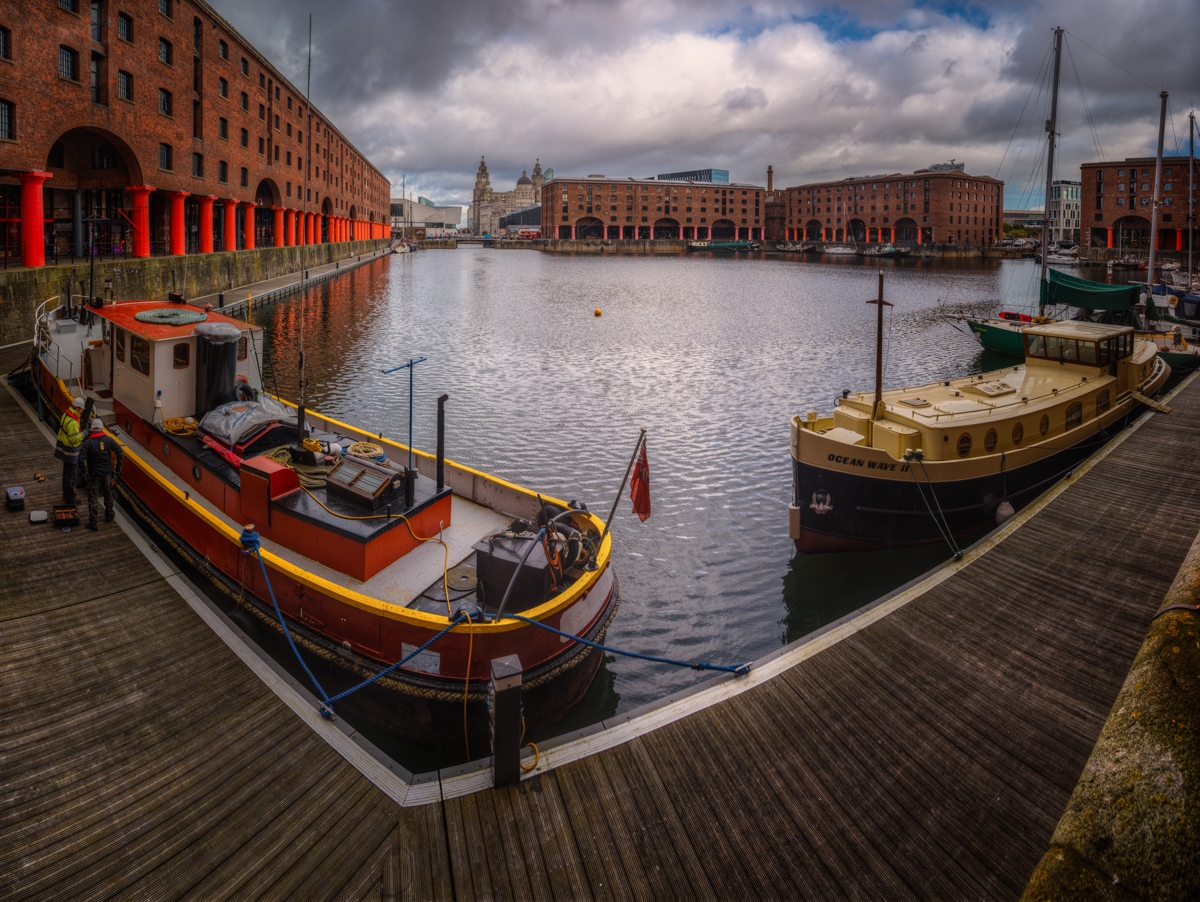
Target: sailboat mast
x,y
300,304
1051,128
1191,190
1162,124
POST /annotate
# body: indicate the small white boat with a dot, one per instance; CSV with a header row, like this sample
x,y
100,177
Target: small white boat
x,y
841,250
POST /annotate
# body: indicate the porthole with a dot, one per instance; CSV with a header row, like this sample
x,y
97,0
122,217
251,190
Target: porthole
x,y
166,450
1102,402
1044,425
964,444
196,472
989,441
1018,433
128,431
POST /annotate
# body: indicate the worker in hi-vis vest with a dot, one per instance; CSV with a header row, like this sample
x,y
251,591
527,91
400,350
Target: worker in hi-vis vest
x,y
70,437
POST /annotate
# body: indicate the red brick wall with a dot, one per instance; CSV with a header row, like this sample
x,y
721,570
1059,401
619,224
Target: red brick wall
x,y
48,106
1124,191
950,207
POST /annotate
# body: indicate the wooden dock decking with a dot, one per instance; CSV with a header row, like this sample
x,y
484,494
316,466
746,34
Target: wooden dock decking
x,y
928,754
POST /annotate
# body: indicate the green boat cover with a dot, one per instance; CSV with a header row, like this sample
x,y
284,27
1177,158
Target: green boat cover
x,y
1072,291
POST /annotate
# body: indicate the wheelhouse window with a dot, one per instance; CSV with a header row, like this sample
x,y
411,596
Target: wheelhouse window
x,y
181,356
139,354
121,345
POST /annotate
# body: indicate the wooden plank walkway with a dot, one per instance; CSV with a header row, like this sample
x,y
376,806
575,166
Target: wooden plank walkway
x,y
928,754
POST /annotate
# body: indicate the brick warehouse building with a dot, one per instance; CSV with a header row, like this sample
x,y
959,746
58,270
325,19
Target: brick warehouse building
x,y
930,206
1116,200
156,120
637,209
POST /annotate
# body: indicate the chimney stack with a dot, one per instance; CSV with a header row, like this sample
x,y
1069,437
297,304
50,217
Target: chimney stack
x,y
770,179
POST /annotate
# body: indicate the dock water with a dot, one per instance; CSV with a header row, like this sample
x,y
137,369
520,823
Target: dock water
x,y
925,749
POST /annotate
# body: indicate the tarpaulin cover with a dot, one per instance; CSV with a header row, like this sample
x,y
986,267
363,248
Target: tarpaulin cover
x,y
230,423
1072,291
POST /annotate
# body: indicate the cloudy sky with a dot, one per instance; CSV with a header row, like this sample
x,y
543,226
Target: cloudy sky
x,y
637,87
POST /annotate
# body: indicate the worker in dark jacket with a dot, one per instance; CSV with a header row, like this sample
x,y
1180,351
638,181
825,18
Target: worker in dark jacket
x,y
97,451
70,437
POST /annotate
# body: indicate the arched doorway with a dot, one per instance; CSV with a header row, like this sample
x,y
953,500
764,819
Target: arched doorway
x,y
353,220
812,230
856,230
326,212
91,168
666,229
1132,231
589,227
906,231
266,196
723,230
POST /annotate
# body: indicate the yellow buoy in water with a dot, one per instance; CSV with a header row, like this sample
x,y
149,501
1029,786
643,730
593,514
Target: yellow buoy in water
x,y
597,311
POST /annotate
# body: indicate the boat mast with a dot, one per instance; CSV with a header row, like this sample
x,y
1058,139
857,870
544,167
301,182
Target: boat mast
x,y
878,350
1051,126
300,308
1162,124
1191,191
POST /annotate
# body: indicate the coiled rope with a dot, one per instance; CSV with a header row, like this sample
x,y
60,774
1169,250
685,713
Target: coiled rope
x,y
366,450
180,425
171,316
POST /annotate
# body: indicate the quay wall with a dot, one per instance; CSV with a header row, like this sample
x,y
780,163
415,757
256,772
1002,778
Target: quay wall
x,y
669,247
1130,828
196,275
446,244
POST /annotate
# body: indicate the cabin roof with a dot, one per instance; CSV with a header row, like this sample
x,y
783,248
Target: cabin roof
x,y
1076,329
123,314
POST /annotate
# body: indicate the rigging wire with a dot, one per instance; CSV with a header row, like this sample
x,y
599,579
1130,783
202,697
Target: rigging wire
x,y
1086,109
1038,103
1036,80
1114,62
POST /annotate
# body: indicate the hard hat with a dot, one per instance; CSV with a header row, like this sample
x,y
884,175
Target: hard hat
x,y
78,402
97,425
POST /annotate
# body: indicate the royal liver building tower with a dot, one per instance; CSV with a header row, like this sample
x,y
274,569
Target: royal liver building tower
x,y
487,206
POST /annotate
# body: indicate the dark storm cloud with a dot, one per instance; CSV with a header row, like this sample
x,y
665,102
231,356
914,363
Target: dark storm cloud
x,y
633,88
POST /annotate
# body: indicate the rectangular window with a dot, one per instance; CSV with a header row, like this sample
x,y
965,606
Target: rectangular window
x,y
196,74
276,153
262,112
262,80
164,156
197,120
97,23
164,101
139,354
223,50
165,52
289,158
121,345
125,27
222,87
8,121
245,139
96,83
245,101
68,64
164,7
289,107
245,178
223,127
5,44
198,165
245,66
124,85
262,148
71,6
276,120
222,172
289,189
180,355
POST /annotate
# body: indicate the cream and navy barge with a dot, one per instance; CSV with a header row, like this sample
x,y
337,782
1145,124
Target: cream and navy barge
x,y
957,457
369,555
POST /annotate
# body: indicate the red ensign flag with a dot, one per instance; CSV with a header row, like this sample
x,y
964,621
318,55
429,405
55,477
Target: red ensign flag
x,y
639,486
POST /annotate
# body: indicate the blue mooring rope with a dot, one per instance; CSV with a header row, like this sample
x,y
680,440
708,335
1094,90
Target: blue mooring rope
x,y
252,544
694,665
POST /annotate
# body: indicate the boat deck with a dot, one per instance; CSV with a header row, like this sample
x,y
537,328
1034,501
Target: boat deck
x,y
922,748
401,581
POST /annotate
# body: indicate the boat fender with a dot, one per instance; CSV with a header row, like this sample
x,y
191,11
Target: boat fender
x,y
1004,512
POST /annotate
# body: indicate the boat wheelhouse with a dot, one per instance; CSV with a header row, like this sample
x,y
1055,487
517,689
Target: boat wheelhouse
x,y
370,550
953,457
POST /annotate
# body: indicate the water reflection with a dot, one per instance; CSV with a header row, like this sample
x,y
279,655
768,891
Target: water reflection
x,y
711,354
